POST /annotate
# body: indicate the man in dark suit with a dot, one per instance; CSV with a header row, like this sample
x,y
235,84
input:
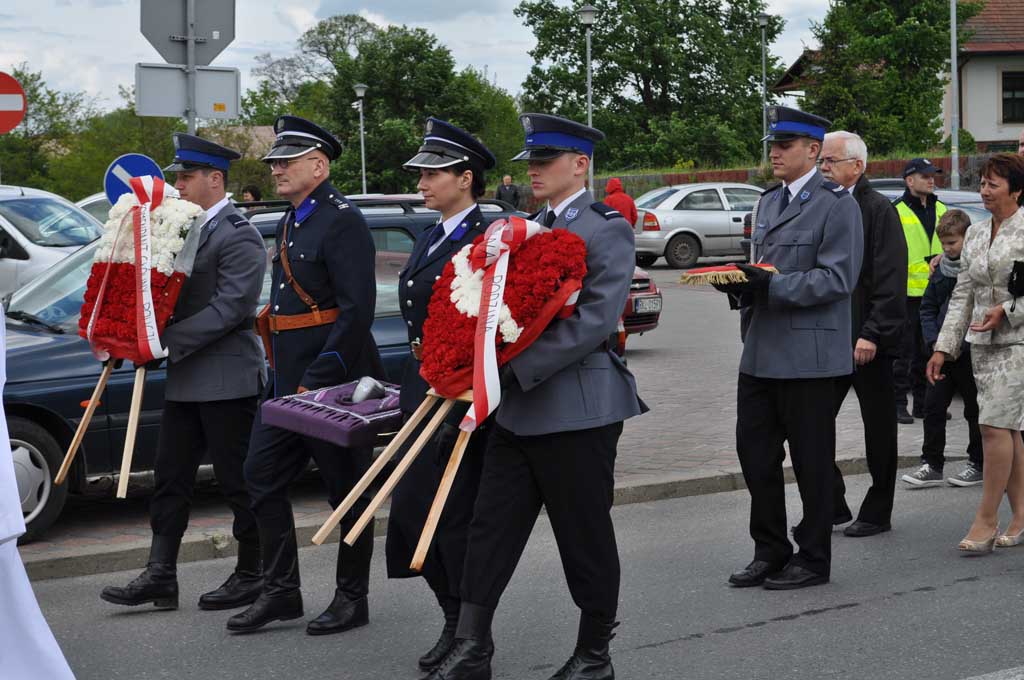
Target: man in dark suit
x,y
508,192
321,309
215,371
796,341
879,309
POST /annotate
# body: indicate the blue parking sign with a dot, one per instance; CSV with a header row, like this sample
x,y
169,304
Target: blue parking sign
x,y
119,174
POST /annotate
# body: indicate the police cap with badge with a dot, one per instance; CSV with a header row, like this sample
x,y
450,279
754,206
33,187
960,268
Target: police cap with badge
x,y
445,145
786,124
297,137
196,153
921,166
548,137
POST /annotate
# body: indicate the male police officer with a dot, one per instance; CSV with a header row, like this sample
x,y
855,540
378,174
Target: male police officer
x,y
797,339
320,312
558,424
215,371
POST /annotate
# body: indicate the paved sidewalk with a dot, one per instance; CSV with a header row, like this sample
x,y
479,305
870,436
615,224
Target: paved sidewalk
x,y
686,370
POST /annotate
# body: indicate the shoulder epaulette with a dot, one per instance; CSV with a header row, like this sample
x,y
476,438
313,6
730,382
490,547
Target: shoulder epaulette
x,y
605,211
338,202
534,216
771,188
237,220
832,186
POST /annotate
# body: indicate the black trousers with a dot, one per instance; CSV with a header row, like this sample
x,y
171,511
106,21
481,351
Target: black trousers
x,y
276,459
410,504
188,430
571,474
912,358
800,412
959,378
873,383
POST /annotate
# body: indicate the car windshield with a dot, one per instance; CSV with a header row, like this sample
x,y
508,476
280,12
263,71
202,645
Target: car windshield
x,y
653,199
50,222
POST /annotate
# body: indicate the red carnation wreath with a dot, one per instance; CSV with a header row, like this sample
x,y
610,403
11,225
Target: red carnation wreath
x,y
545,272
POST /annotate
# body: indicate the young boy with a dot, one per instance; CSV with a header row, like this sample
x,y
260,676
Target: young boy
x,y
958,374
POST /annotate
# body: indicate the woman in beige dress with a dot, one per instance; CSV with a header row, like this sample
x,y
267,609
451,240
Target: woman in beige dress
x,y
983,310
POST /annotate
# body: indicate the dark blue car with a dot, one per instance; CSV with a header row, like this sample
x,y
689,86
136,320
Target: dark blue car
x,y
51,372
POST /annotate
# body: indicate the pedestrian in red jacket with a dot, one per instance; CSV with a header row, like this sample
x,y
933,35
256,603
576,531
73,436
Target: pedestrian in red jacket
x,y
616,198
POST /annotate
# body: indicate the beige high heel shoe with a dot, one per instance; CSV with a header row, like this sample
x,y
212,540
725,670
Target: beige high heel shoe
x,y
1010,540
979,547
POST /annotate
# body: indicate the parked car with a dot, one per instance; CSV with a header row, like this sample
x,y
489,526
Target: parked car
x,y
643,306
37,230
96,205
688,221
51,371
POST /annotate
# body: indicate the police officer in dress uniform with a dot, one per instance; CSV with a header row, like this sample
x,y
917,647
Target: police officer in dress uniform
x,y
557,426
797,339
321,309
215,371
451,164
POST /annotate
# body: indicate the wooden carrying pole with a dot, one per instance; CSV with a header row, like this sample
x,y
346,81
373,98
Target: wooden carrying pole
x,y
400,470
417,417
129,436
437,507
83,425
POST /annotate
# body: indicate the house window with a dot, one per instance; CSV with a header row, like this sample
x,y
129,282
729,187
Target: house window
x,y
1013,97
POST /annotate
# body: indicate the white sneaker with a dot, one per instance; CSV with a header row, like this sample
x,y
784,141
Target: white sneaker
x,y
926,475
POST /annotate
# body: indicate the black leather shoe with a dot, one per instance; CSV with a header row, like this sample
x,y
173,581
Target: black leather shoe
x,y
918,412
753,574
157,584
433,658
794,577
903,416
590,660
342,614
860,529
241,589
267,610
470,655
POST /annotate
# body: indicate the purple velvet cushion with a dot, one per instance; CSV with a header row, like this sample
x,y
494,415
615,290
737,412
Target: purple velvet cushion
x,y
329,414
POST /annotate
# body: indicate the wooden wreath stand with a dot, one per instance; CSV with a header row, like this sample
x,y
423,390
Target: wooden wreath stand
x,y
430,527
133,426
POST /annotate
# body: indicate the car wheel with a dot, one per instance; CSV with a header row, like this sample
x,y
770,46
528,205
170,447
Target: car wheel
x,y
645,259
37,457
682,251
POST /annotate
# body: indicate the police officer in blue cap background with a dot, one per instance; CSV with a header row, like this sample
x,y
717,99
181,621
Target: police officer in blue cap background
x,y
797,338
318,325
451,164
557,427
215,371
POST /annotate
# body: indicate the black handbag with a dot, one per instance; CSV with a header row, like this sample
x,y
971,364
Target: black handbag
x,y
1016,282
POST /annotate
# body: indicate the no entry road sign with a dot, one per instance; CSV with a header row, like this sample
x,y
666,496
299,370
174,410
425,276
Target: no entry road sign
x,y
12,103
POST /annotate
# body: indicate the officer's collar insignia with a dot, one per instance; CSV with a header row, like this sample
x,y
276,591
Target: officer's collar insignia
x,y
804,195
571,214
458,232
527,125
305,209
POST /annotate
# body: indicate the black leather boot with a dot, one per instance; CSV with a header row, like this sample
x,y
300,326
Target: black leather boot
x,y
242,587
157,584
433,658
281,599
349,608
590,660
344,613
470,655
267,610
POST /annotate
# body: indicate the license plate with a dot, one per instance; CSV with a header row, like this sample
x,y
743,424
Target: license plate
x,y
647,305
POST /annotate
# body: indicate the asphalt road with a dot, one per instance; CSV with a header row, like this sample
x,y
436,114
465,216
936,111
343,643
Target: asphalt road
x,y
901,605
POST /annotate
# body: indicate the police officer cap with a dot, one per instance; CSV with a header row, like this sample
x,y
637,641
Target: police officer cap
x,y
548,137
785,124
445,145
922,166
298,136
193,153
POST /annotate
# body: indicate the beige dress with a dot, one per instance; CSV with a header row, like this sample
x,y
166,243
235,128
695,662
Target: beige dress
x,y
997,356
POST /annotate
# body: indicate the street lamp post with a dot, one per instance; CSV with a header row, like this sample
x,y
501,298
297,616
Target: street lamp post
x,y
954,118
360,90
762,21
588,15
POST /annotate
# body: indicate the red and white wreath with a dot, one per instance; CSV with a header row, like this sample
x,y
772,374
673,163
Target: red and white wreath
x,y
492,301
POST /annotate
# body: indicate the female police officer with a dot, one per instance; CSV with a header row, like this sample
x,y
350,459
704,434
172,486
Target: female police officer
x,y
451,164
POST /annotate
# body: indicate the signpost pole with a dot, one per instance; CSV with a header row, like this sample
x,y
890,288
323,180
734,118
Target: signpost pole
x,y
190,66
954,119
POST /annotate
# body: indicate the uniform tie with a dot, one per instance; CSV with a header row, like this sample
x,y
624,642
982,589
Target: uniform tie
x,y
549,218
436,235
785,199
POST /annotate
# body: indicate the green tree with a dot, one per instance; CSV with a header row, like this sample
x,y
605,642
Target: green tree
x,y
879,71
660,68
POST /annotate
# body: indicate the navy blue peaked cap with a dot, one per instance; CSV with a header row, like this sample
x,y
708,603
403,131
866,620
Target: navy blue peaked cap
x,y
298,136
193,153
550,136
785,123
445,145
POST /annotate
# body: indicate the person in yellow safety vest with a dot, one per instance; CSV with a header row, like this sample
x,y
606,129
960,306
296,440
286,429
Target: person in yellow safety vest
x,y
919,211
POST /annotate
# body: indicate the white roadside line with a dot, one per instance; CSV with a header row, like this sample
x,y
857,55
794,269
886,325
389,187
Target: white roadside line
x,y
1008,674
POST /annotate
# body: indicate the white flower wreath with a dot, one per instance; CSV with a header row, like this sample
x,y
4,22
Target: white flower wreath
x,y
467,287
169,226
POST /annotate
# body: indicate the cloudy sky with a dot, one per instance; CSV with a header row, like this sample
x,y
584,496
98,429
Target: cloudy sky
x,y
93,45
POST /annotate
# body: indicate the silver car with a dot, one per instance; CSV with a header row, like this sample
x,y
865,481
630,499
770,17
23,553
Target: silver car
x,y
689,221
37,230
